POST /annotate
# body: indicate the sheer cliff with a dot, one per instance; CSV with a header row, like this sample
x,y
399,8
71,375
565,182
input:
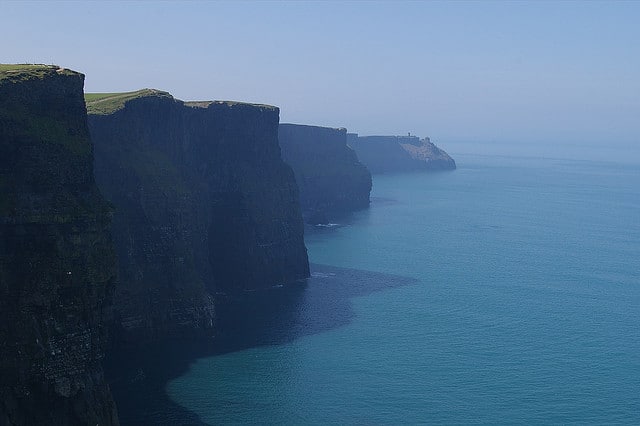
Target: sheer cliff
x,y
57,264
204,205
331,179
382,154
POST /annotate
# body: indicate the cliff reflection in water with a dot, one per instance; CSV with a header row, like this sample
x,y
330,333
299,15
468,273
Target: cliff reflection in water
x,y
138,377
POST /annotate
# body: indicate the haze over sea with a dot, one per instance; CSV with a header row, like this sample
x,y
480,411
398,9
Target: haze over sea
x,y
507,291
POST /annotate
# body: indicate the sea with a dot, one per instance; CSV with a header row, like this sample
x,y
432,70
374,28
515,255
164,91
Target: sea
x,y
504,292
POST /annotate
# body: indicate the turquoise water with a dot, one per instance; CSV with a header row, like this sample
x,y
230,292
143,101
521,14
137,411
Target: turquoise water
x,y
507,291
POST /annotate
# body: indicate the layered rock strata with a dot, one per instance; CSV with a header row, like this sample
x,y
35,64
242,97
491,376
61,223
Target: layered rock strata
x,y
57,264
204,206
387,154
331,179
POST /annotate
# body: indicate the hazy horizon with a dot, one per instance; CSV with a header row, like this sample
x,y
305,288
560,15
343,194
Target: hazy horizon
x,y
559,73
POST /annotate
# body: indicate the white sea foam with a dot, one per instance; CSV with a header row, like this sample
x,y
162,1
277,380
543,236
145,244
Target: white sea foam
x,y
322,275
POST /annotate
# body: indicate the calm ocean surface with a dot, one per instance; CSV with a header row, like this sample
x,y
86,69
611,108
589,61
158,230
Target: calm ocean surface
x,y
507,291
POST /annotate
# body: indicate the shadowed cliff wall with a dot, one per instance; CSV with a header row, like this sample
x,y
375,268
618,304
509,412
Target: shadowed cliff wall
x,y
57,264
204,204
331,179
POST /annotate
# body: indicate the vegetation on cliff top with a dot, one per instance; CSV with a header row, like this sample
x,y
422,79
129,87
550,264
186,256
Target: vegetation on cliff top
x,y
108,103
26,121
206,104
22,72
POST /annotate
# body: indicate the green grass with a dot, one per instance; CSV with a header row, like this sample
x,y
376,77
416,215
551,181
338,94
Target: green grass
x,y
27,67
108,103
21,72
205,104
89,97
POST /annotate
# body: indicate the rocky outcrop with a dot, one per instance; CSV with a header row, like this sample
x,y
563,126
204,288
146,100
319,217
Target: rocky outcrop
x,y
331,179
385,154
204,205
57,264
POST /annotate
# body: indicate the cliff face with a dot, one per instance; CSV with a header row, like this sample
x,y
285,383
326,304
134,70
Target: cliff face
x,y
383,154
57,264
204,204
331,179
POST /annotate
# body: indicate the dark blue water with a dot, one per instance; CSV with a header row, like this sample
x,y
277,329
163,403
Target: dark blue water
x,y
507,291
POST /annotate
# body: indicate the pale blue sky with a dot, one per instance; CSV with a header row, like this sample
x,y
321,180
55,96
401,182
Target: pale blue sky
x,y
513,72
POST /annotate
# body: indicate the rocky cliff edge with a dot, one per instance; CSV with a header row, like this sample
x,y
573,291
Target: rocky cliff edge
x,y
331,179
205,207
388,154
57,264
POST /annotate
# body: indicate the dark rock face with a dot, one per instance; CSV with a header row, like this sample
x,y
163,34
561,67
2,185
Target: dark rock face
x,y
204,204
57,265
387,154
331,179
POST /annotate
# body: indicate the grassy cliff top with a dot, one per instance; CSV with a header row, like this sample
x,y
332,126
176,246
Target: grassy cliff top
x,y
310,126
21,72
206,104
108,103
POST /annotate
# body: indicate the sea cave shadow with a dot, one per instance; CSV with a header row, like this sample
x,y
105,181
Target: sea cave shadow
x,y
138,376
